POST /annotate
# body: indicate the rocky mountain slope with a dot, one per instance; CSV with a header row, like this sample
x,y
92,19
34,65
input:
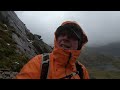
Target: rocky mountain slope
x,y
22,36
17,44
109,49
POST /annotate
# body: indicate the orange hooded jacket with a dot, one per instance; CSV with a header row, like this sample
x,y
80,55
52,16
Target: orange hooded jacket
x,y
60,64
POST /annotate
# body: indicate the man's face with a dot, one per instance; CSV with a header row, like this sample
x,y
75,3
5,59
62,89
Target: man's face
x,y
67,43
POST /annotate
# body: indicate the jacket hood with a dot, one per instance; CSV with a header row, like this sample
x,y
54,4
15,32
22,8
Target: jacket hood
x,y
64,57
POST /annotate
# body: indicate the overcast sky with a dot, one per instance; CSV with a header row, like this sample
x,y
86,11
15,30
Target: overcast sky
x,y
101,27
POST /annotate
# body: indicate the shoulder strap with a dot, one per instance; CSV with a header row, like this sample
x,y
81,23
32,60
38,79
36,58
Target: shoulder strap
x,y
80,70
45,66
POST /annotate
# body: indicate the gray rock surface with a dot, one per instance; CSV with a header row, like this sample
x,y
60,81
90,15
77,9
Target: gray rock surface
x,y
7,74
27,43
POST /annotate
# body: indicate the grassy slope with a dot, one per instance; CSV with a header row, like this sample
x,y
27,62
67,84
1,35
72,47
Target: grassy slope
x,y
8,57
101,66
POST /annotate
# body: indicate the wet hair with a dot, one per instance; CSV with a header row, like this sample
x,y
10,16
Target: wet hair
x,y
72,30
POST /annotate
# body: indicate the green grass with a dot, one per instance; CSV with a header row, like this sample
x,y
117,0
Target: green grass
x,y
8,55
93,63
116,63
1,26
11,61
98,74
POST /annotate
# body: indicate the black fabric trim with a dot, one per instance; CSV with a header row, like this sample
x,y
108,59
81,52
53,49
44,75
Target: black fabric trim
x,y
45,66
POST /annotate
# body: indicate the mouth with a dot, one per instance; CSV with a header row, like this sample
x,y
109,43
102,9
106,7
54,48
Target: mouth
x,y
65,46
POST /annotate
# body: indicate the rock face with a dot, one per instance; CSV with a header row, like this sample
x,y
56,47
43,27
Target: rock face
x,y
7,74
26,42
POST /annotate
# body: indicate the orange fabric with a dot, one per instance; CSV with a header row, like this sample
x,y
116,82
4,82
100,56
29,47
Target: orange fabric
x,y
60,65
31,70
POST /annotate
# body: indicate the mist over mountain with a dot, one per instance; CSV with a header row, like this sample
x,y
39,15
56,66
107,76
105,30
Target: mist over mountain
x,y
101,27
112,49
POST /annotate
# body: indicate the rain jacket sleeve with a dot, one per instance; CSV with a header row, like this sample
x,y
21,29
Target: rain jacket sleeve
x,y
31,70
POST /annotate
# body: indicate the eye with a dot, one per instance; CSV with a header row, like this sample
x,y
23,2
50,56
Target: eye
x,y
73,37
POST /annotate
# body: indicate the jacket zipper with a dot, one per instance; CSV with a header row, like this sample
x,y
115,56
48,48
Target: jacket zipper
x,y
68,60
68,63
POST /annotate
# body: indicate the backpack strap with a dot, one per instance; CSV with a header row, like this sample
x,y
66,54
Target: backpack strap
x,y
79,69
45,66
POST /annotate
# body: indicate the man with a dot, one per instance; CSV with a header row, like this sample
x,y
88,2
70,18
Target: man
x,y
68,42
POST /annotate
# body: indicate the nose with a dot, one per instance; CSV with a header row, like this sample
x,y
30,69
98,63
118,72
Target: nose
x,y
65,39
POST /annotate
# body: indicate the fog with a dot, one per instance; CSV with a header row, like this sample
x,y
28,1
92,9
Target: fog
x,y
101,27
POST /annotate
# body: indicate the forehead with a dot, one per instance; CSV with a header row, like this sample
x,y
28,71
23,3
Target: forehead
x,y
66,31
66,38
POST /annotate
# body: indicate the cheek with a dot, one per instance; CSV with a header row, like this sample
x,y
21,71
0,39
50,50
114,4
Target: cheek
x,y
74,45
58,40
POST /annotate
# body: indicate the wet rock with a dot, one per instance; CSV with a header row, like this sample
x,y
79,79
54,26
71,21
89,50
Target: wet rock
x,y
25,40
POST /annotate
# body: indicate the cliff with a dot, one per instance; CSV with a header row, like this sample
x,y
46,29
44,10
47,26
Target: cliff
x,y
17,44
